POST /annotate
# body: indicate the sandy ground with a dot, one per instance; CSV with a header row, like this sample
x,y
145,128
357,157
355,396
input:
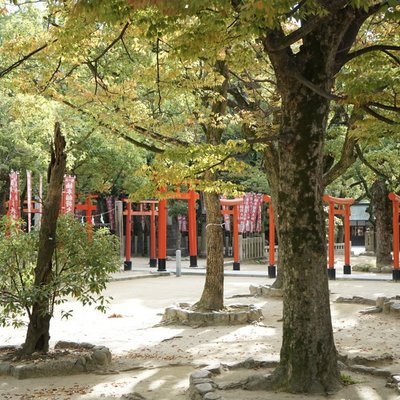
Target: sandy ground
x,y
161,358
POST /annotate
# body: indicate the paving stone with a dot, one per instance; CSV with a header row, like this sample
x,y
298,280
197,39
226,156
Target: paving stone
x,y
204,388
386,306
362,368
212,396
396,379
382,372
395,309
214,368
200,374
380,301
371,310
255,290
5,369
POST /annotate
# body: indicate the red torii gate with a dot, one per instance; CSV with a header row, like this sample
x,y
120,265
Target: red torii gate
x,y
128,227
88,207
231,208
343,209
396,205
271,239
191,196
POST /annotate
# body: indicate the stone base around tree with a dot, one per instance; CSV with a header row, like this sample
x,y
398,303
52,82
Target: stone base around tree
x,y
265,291
205,385
236,314
381,304
67,358
214,381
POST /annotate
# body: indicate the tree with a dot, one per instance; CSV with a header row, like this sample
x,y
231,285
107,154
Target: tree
x,y
308,44
37,337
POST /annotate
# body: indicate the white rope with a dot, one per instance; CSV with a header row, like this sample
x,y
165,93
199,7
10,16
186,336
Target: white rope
x,y
221,225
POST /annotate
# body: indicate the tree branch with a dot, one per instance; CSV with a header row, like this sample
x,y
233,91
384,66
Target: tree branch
x,y
347,158
52,76
310,25
115,131
381,117
112,44
377,47
158,74
384,106
22,60
329,96
368,164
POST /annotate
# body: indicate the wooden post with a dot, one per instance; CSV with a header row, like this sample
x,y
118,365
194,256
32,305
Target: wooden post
x,y
153,257
236,259
162,233
120,226
128,235
192,228
331,237
395,206
347,266
271,238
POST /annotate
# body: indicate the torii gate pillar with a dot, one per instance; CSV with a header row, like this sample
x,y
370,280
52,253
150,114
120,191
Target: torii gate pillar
x,y
396,205
231,208
271,239
344,210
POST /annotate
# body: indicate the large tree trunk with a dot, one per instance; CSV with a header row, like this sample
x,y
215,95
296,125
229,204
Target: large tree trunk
x,y
382,209
308,359
38,334
308,355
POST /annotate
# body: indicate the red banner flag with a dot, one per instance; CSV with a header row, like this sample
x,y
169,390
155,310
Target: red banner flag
x,y
13,204
29,197
110,210
69,194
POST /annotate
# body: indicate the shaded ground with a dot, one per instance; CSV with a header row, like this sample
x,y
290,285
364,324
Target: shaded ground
x,y
157,360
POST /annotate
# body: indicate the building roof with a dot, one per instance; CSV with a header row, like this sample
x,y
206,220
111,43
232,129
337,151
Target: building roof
x,y
358,212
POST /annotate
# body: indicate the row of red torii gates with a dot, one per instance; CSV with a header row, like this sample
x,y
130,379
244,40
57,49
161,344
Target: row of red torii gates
x,y
337,206
228,207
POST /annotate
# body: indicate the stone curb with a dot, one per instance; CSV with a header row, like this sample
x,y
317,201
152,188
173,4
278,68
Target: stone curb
x,y
98,357
238,314
202,387
381,304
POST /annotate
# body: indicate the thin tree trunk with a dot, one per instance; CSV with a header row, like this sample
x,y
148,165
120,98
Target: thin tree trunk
x,y
271,168
383,222
38,333
212,297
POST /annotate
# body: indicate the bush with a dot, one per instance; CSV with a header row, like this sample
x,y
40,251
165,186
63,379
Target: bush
x,y
80,269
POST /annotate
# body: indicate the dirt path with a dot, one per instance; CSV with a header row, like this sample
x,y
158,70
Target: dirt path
x,y
161,358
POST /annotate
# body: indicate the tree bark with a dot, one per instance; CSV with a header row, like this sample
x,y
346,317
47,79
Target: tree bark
x,y
382,209
308,355
271,168
308,358
212,297
38,333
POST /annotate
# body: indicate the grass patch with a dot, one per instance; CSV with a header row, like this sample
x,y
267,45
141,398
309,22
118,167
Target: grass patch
x,y
347,380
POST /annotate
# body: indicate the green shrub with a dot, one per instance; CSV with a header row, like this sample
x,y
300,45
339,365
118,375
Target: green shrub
x,y
80,269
